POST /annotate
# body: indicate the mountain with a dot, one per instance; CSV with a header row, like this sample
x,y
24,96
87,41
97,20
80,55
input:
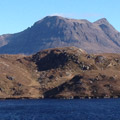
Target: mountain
x,y
56,31
67,72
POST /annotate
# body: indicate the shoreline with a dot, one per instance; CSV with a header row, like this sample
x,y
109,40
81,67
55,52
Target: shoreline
x,y
87,98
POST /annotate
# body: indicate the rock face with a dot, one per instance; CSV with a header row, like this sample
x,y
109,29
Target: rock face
x,y
56,31
60,73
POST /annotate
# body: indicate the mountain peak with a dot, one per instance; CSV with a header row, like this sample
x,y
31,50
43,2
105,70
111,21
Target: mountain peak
x,y
50,18
102,21
54,16
57,31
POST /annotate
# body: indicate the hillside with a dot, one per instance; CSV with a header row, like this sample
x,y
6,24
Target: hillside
x,y
56,31
67,72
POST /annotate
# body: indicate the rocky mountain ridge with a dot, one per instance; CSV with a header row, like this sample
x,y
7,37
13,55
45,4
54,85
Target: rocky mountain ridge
x,y
56,31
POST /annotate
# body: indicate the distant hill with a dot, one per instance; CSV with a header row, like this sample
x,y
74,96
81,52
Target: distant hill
x,y
60,73
56,31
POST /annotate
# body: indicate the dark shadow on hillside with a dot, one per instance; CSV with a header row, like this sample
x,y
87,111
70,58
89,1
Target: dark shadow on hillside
x,y
51,61
74,84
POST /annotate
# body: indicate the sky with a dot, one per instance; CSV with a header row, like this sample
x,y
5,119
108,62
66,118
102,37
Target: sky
x,y
17,15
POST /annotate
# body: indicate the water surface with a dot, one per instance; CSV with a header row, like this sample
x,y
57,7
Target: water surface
x,y
47,109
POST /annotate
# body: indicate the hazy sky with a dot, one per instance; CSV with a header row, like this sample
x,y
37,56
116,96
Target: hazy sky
x,y
17,15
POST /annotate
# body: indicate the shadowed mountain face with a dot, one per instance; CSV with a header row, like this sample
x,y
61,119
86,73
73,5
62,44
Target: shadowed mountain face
x,y
55,31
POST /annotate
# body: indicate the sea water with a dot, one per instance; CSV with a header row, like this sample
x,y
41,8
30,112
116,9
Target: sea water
x,y
55,109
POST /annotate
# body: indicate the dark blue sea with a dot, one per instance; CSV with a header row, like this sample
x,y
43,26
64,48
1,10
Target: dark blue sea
x,y
54,109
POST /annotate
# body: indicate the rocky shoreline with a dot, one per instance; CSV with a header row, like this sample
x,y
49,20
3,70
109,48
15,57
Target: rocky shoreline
x,y
76,97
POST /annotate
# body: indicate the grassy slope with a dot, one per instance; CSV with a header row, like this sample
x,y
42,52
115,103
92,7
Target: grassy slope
x,y
60,73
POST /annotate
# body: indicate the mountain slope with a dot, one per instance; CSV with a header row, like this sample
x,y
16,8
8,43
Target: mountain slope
x,y
56,31
60,73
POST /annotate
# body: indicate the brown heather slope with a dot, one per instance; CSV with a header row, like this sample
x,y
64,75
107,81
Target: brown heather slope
x,y
60,73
